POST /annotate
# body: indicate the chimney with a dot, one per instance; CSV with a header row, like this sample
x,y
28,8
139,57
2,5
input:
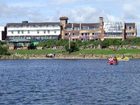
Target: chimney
x,y
24,22
63,23
124,32
101,19
101,22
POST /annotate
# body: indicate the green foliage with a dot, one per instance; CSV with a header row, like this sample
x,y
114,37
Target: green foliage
x,y
73,47
61,42
32,46
2,43
3,50
125,42
38,52
131,41
92,43
104,43
83,51
110,42
96,43
51,43
109,51
135,41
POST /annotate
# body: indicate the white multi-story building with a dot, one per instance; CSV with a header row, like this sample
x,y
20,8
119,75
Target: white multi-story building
x,y
32,31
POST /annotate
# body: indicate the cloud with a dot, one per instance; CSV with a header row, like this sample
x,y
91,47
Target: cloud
x,y
60,2
130,11
76,10
82,14
14,13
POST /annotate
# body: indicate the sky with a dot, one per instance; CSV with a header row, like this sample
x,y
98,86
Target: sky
x,y
75,10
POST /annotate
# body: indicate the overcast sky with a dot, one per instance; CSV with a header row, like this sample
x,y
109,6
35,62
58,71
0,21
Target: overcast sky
x,y
76,10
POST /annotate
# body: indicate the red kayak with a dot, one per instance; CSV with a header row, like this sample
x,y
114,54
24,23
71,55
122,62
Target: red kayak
x,y
112,61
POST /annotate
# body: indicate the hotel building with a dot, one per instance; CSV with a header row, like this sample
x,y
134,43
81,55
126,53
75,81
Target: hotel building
x,y
32,31
22,34
101,30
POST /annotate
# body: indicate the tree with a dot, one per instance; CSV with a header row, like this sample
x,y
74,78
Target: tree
x,y
104,43
72,48
31,46
4,51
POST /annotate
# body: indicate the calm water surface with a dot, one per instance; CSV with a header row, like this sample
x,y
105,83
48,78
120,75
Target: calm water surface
x,y
69,82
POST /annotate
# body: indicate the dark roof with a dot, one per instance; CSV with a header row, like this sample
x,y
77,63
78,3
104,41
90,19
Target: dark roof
x,y
132,24
64,18
32,24
91,25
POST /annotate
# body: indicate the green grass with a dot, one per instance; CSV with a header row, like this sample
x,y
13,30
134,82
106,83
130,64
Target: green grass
x,y
38,52
84,51
106,52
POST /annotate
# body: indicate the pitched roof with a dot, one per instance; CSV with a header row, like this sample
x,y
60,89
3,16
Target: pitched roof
x,y
23,24
64,18
130,24
90,25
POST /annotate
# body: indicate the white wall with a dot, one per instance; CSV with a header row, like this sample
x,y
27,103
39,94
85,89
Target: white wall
x,y
33,31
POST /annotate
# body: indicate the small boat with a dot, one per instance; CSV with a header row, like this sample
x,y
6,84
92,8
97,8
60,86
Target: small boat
x,y
112,61
123,58
50,55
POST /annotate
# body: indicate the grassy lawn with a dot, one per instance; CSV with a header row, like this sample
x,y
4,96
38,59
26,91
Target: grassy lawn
x,y
28,52
84,51
106,52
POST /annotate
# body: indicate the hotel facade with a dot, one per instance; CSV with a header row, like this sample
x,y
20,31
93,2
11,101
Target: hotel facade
x,y
27,31
32,31
100,30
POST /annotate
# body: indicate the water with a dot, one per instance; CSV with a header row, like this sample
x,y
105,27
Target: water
x,y
69,82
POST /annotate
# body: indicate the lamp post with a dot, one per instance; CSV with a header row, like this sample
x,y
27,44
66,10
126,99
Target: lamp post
x,y
69,41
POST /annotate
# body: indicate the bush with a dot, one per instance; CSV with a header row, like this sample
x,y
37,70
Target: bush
x,y
73,47
31,46
3,51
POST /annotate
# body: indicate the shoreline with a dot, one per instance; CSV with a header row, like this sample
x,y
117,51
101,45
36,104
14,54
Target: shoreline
x,y
67,56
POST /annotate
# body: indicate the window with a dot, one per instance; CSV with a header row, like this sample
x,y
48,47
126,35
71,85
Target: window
x,y
28,32
37,32
48,31
12,32
85,27
68,28
76,28
18,32
44,32
22,32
